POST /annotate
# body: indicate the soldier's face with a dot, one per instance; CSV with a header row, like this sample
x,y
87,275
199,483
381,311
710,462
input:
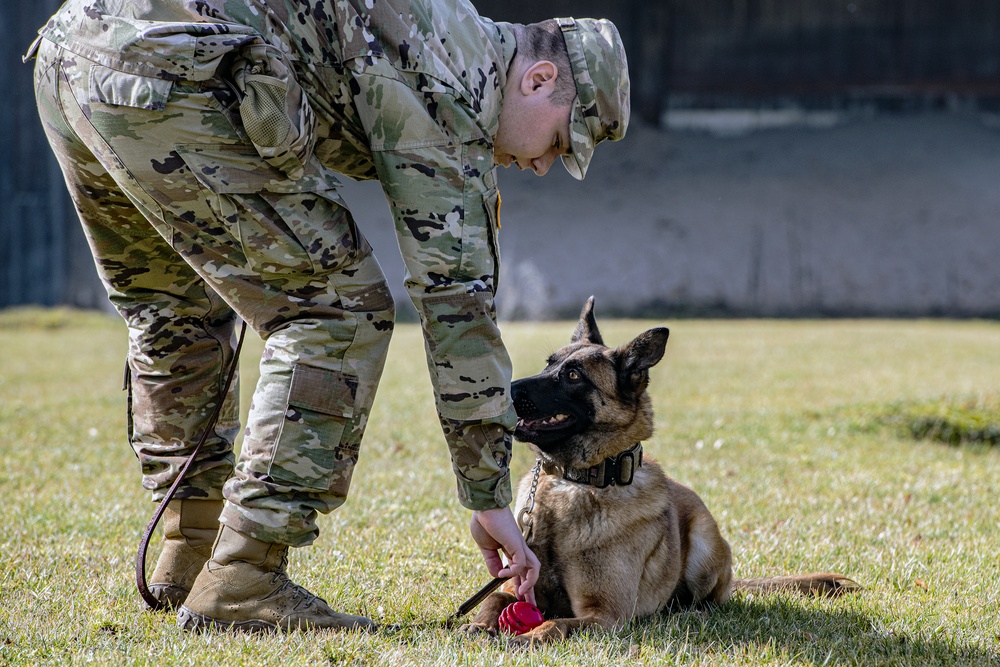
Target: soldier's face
x,y
533,132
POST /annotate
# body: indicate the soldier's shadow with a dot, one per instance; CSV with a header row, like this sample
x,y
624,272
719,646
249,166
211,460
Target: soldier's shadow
x,y
800,631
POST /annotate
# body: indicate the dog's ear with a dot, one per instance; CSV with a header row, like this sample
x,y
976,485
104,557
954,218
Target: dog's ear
x,y
587,330
636,358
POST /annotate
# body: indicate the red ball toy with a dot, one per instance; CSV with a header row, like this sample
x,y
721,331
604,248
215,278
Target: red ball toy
x,y
520,617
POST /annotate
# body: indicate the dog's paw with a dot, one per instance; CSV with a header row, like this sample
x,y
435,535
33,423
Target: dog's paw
x,y
546,633
521,642
477,630
529,641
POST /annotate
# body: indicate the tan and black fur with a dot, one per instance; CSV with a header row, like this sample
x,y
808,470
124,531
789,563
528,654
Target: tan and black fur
x,y
623,551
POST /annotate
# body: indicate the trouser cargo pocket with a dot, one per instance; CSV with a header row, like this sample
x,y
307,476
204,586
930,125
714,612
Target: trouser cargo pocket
x,y
310,453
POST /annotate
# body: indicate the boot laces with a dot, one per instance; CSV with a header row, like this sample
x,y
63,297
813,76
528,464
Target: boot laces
x,y
298,595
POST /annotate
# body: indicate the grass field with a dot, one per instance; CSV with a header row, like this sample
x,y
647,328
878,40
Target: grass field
x,y
817,445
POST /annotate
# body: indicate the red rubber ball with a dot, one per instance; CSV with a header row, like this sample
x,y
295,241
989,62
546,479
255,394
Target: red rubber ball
x,y
520,617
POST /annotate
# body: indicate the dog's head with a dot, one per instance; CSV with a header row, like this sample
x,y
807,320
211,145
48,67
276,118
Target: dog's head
x,y
590,402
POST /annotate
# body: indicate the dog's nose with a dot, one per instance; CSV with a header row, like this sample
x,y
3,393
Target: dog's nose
x,y
521,397
515,389
524,407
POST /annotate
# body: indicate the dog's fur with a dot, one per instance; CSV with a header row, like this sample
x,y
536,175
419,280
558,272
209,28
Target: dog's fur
x,y
619,552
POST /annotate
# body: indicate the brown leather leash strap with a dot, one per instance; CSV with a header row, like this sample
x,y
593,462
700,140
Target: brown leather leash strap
x,y
474,601
140,559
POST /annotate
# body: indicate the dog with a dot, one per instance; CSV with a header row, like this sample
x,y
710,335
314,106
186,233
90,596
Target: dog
x,y
617,539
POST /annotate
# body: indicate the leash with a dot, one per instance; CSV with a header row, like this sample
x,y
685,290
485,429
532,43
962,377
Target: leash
x,y
524,522
140,559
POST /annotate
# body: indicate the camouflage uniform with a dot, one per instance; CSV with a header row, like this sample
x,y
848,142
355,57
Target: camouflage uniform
x,y
210,131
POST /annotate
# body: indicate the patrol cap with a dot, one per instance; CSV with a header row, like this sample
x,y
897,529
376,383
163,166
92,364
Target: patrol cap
x,y
600,71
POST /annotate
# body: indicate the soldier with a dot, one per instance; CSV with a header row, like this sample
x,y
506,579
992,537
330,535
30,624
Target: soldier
x,y
200,142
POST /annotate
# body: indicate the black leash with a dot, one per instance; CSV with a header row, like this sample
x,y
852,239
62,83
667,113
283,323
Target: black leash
x,y
140,559
474,601
524,523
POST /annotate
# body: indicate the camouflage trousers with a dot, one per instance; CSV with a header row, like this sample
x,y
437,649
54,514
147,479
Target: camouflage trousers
x,y
190,228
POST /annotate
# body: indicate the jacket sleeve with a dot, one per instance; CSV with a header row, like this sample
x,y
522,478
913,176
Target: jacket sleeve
x,y
439,179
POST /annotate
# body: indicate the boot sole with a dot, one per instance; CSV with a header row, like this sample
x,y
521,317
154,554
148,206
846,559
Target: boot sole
x,y
192,621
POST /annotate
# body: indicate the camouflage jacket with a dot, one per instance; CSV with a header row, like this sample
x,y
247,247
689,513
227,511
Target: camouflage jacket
x,y
452,60
405,91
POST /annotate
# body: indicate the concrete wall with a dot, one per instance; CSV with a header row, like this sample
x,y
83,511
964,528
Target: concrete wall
x,y
882,215
889,215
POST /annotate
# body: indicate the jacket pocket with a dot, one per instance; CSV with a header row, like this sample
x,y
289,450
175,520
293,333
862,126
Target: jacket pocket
x,y
275,111
120,89
228,168
284,227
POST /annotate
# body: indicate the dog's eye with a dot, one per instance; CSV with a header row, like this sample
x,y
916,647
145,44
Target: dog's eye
x,y
573,376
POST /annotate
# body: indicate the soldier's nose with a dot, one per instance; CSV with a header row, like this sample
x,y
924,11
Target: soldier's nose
x,y
540,165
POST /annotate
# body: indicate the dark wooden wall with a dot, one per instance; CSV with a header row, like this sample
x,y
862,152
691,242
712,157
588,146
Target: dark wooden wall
x,y
723,53
43,255
682,53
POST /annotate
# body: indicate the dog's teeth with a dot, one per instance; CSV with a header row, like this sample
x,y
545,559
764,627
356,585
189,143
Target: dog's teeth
x,y
555,419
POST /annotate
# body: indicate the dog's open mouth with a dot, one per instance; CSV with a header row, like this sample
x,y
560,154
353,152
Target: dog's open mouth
x,y
551,423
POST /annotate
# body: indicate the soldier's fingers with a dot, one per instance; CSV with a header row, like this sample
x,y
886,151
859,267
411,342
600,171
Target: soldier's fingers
x,y
493,562
523,591
526,593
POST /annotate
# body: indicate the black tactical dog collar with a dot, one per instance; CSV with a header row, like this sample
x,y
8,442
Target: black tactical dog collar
x,y
614,470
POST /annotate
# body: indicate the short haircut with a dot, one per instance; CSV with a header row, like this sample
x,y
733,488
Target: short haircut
x,y
544,41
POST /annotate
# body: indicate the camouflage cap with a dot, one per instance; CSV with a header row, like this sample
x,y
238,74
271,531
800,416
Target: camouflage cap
x,y
600,70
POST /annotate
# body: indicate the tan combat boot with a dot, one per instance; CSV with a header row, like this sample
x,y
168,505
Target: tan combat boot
x,y
244,587
189,530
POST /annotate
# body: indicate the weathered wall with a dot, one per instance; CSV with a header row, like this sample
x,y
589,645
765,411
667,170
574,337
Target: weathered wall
x,y
902,221
896,216
43,254
711,53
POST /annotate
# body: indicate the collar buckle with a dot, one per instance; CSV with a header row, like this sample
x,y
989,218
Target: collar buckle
x,y
613,471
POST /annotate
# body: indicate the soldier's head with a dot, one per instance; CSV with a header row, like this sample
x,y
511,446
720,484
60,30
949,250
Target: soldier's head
x,y
567,90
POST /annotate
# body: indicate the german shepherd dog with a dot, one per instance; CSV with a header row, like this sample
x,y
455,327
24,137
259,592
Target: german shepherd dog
x,y
617,539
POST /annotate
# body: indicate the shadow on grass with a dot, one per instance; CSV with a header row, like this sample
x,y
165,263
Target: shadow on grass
x,y
801,631
775,628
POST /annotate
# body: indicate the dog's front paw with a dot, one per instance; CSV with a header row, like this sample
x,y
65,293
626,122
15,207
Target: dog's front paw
x,y
521,642
477,630
529,641
546,633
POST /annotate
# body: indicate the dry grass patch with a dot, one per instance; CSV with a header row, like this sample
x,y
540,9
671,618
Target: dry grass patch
x,y
781,426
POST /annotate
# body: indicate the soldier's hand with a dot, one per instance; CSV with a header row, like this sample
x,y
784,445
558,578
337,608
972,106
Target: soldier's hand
x,y
496,531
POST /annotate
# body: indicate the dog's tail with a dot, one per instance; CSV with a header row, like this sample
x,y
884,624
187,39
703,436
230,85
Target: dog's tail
x,y
829,584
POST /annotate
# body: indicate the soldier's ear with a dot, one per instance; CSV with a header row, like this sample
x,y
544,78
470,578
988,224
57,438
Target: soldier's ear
x,y
637,357
539,77
587,330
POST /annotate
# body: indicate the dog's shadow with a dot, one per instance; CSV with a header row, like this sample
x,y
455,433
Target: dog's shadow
x,y
792,629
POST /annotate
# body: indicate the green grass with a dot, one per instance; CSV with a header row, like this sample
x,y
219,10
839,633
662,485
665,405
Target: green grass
x,y
798,435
